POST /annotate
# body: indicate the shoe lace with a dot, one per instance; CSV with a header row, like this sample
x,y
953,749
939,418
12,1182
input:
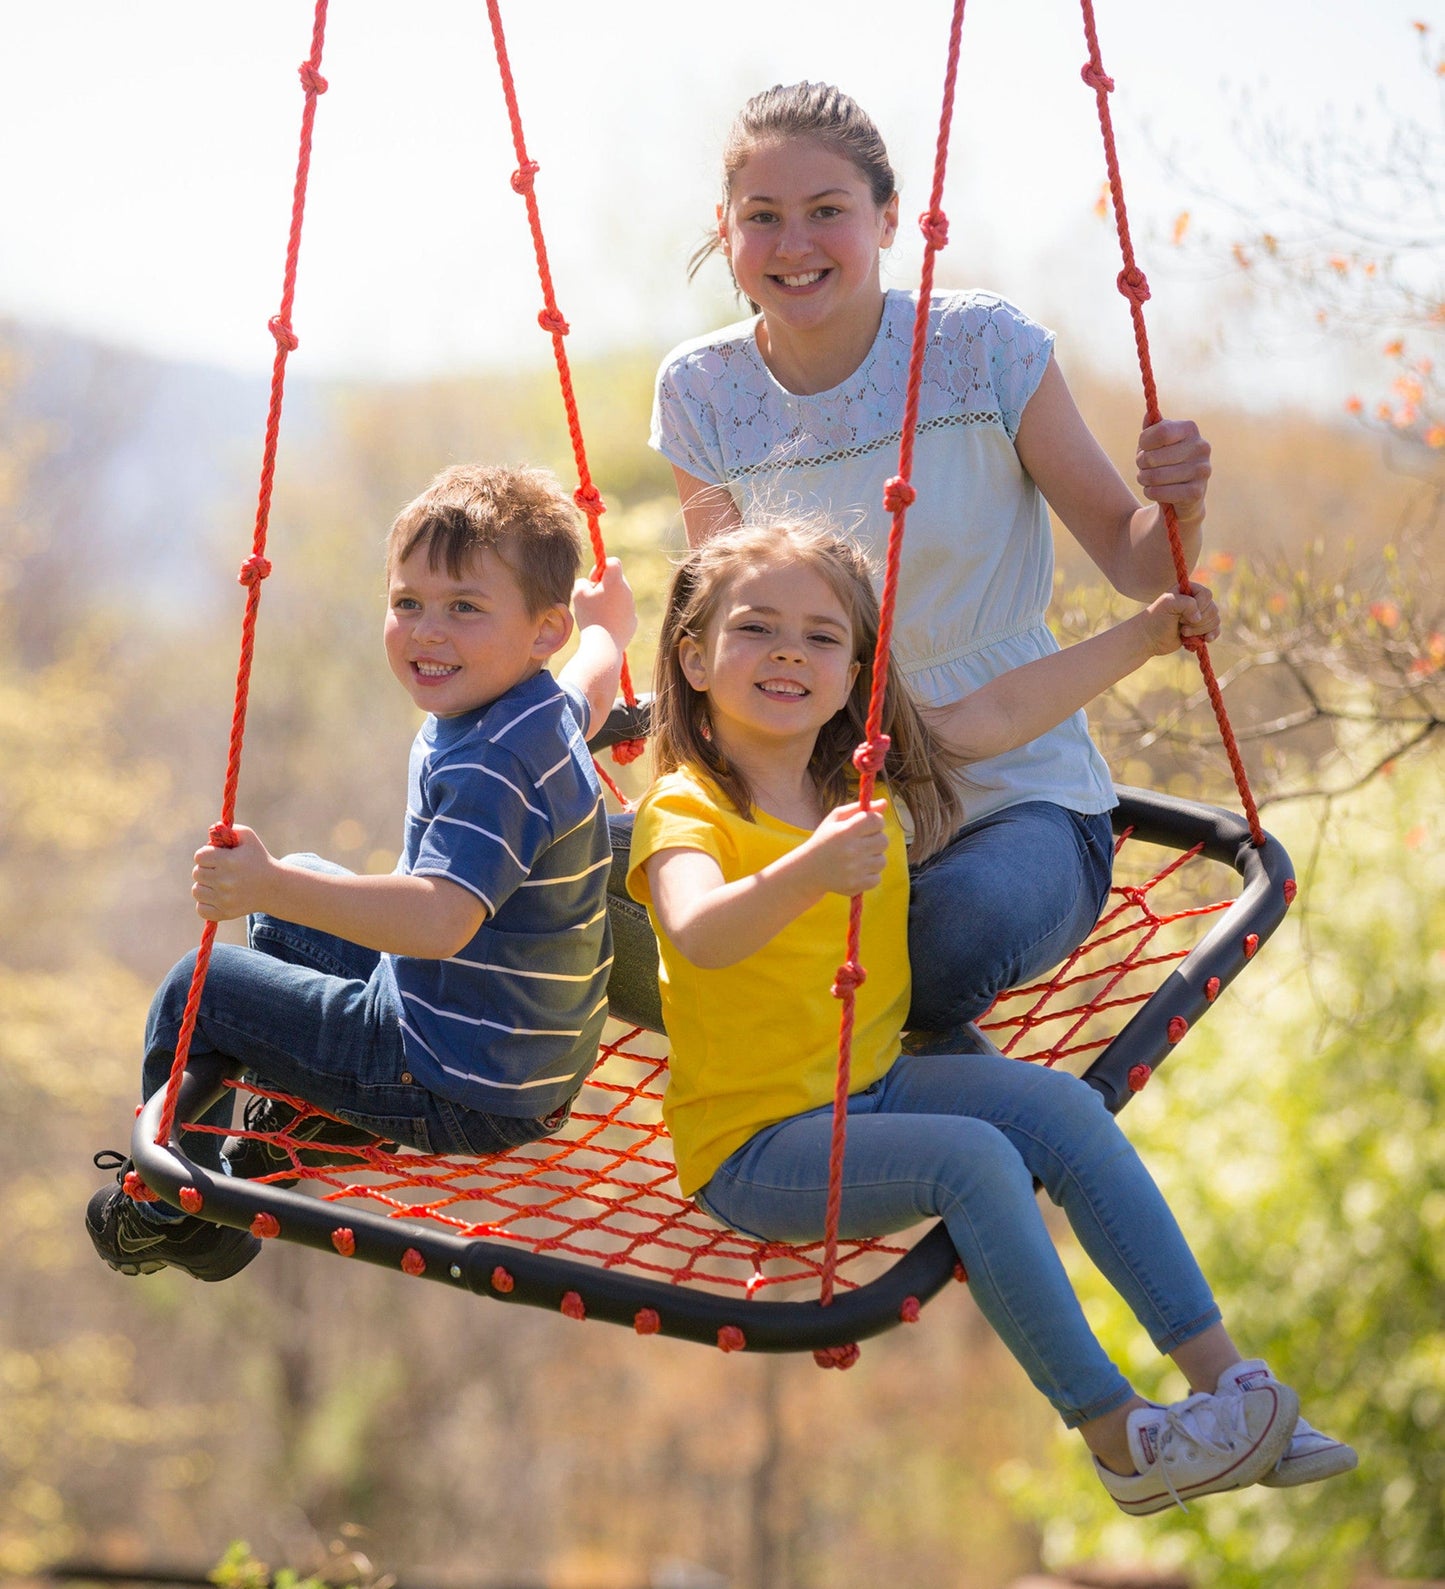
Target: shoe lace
x,y
254,1115
1203,1423
110,1159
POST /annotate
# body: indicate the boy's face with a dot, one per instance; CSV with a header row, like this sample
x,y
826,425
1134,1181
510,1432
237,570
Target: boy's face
x,y
459,644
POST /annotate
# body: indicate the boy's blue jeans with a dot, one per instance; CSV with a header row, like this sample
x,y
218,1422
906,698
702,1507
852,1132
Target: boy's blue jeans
x,y
962,1137
1011,895
313,1015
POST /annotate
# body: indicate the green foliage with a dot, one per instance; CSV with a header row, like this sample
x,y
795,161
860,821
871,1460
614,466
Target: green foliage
x,y
1297,1137
239,1569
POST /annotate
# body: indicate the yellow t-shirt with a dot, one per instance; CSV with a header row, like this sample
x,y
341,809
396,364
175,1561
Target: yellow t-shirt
x,y
757,1042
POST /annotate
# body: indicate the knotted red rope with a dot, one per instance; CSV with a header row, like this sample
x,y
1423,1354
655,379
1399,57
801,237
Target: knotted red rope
x,y
1134,285
587,497
256,567
898,495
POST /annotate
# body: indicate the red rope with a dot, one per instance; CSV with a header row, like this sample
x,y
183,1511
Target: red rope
x,y
552,321
870,755
256,567
1135,287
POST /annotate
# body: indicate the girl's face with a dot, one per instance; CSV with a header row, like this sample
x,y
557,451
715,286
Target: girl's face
x,y
803,234
776,660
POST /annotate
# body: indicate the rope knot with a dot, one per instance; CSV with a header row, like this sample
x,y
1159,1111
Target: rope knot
x,y
628,750
312,80
285,336
222,835
837,1356
1134,284
552,322
848,978
934,226
254,570
898,495
589,499
1097,78
524,178
872,754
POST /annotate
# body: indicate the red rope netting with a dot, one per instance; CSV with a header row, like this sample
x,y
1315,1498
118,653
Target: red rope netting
x,y
604,1189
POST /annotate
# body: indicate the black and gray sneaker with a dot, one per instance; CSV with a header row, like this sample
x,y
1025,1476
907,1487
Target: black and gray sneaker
x,y
135,1245
251,1157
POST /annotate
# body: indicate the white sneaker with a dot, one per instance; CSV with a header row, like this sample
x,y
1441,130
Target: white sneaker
x,y
1311,1454
1201,1445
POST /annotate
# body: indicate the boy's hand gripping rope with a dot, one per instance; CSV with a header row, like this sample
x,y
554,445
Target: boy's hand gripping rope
x,y
552,321
256,567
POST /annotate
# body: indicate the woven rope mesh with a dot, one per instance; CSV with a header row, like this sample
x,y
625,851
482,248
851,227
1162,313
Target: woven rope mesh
x,y
603,1189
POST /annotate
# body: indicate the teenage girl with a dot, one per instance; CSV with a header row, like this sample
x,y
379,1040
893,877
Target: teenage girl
x,y
745,852
800,408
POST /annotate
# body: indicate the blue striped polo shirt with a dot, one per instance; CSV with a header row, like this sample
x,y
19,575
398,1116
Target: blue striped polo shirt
x,y
506,803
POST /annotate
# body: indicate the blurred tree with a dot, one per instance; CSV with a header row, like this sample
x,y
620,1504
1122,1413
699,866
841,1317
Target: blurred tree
x,y
1323,1093
76,791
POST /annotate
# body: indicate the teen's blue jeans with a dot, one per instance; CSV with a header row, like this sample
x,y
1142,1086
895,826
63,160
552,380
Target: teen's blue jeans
x,y
962,1137
1011,895
311,1014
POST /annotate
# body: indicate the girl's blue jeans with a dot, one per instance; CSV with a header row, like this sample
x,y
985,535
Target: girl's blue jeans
x,y
308,1013
1011,895
962,1138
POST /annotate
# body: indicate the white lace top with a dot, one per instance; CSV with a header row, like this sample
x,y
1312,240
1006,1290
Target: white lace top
x,y
978,565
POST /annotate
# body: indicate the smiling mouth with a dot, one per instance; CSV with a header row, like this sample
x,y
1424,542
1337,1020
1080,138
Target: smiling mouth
x,y
803,279
435,670
782,690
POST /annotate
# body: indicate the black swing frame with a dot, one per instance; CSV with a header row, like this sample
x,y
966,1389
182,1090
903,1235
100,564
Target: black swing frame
x,y
539,1279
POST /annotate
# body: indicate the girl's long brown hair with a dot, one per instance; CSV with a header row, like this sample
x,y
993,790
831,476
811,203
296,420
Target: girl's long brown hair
x,y
917,767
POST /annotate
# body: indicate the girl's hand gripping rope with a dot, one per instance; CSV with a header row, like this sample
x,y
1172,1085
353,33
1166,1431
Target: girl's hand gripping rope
x,y
848,848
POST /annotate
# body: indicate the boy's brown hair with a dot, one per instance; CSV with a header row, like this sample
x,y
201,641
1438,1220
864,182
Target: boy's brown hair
x,y
522,515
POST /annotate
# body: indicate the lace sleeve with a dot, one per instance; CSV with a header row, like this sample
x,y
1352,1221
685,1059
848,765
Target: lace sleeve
x,y
685,423
1018,351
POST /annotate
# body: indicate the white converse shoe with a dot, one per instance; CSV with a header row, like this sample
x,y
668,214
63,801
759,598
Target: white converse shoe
x,y
1201,1445
1311,1454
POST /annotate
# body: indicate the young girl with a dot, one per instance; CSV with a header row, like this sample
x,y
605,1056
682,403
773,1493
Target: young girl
x,y
801,407
745,853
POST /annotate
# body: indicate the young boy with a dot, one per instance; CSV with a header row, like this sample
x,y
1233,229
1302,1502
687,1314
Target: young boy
x,y
455,1004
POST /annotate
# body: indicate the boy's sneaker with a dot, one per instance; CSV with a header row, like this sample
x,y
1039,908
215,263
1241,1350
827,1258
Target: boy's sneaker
x,y
135,1245
251,1157
1311,1454
1201,1445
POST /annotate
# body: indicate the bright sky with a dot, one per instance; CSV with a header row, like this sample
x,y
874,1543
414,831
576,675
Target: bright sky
x,y
150,146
